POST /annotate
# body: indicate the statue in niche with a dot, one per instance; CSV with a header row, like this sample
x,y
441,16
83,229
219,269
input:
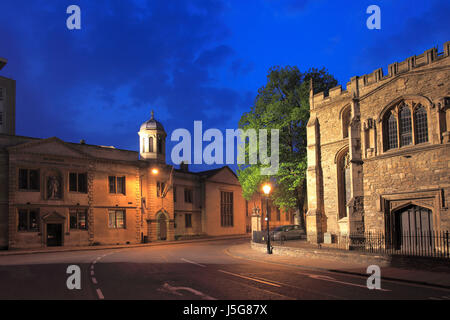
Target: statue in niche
x,y
53,188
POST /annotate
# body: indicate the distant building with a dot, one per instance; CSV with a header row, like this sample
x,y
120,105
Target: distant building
x,y
56,193
379,152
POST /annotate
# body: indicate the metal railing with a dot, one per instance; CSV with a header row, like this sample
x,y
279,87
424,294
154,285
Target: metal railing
x,y
425,243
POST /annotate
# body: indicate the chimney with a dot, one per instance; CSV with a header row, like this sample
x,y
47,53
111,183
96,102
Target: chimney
x,y
3,62
184,166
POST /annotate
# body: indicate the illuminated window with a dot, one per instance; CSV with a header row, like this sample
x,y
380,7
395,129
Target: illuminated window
x,y
116,219
78,219
28,220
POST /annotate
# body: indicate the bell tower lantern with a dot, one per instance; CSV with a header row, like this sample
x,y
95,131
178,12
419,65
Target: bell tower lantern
x,y
152,140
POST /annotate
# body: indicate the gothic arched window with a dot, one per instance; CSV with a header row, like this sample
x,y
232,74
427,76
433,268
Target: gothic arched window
x,y
420,124
346,115
392,141
405,126
400,129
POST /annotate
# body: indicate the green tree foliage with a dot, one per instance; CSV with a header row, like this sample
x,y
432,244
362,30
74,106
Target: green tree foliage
x,y
283,103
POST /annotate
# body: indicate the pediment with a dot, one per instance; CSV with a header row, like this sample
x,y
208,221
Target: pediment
x,y
53,216
51,146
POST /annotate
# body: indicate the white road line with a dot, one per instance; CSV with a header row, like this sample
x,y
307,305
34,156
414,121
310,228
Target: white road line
x,y
92,267
249,278
94,281
330,279
175,290
100,294
189,261
92,272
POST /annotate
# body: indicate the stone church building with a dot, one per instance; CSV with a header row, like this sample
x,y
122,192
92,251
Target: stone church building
x,y
379,152
57,193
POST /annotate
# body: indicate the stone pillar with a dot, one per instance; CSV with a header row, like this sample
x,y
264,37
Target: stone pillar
x,y
256,220
314,217
355,205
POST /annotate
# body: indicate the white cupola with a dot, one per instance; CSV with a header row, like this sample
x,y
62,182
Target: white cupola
x,y
152,140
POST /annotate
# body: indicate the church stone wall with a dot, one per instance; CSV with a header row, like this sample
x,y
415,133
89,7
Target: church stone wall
x,y
387,179
421,176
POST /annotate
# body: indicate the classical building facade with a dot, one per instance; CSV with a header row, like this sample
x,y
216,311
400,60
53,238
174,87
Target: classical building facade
x,y
57,193
379,152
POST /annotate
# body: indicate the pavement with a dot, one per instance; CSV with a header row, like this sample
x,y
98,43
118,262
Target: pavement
x,y
316,262
124,246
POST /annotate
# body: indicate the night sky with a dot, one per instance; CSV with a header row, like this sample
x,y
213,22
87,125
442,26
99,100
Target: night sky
x,y
188,60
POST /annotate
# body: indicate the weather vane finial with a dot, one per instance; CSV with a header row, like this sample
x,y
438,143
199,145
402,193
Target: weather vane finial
x,y
153,116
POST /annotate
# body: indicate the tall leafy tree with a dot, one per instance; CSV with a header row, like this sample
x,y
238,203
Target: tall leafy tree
x,y
283,103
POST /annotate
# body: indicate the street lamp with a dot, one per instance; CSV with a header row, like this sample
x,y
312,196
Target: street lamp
x,y
266,189
167,183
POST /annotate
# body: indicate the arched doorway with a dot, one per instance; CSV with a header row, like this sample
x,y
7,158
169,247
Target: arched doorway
x,y
413,228
162,221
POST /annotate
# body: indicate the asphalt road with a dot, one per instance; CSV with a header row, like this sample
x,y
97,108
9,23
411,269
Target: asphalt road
x,y
185,271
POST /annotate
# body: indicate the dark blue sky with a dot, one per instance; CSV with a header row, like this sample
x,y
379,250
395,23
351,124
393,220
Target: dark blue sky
x,y
188,60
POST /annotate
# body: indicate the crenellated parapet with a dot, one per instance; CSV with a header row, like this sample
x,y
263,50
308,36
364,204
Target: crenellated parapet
x,y
377,77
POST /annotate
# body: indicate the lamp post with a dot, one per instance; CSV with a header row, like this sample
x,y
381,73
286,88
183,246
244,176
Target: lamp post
x,y
266,189
167,183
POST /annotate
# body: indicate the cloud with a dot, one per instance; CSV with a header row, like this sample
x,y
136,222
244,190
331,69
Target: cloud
x,y
215,57
240,67
99,83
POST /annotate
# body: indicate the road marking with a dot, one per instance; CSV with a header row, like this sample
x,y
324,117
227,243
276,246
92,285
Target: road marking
x,y
100,294
92,272
94,281
189,261
175,290
249,278
92,267
285,265
433,298
331,279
